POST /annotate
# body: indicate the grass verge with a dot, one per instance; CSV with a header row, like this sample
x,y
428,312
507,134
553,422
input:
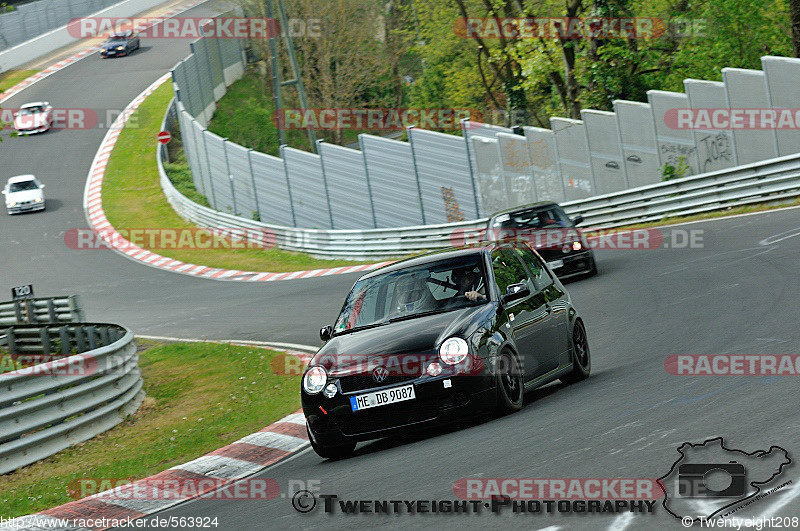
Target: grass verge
x,y
133,199
200,396
12,77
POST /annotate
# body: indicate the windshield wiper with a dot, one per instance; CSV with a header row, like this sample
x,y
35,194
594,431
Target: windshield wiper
x,y
420,314
358,328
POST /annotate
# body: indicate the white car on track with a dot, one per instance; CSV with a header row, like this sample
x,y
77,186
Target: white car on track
x,y
33,118
23,194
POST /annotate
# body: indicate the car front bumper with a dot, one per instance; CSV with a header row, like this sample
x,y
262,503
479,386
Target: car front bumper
x,y
29,207
41,129
113,53
573,264
332,421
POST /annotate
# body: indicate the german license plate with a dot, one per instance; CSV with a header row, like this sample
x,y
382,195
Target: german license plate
x,y
556,264
382,398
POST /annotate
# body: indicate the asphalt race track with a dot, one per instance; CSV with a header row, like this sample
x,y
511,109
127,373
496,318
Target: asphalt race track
x,y
113,288
627,419
738,294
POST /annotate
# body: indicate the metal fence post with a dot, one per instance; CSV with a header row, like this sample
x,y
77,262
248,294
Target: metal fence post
x,y
288,184
325,184
369,187
253,182
44,337
416,175
63,336
12,344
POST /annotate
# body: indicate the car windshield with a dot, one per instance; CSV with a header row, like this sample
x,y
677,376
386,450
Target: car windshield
x,y
30,110
22,186
541,218
415,291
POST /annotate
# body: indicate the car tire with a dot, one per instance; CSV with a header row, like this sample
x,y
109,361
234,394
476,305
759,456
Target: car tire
x,y
581,357
510,390
332,452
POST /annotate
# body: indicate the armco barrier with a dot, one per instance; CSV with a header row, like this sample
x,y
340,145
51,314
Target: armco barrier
x,y
43,310
50,406
770,180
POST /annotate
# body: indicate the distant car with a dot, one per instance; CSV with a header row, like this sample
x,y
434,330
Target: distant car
x,y
439,338
34,118
547,228
23,194
120,44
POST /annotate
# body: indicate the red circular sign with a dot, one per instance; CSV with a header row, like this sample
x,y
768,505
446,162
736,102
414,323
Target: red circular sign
x,y
164,137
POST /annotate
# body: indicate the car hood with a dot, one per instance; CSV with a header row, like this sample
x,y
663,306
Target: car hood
x,y
25,195
114,46
421,336
30,120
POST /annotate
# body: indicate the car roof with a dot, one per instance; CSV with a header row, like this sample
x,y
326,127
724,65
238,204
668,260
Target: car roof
x,y
33,104
21,179
434,256
122,34
523,208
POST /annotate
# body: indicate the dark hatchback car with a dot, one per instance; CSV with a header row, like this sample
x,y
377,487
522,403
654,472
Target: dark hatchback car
x,y
548,229
438,338
120,44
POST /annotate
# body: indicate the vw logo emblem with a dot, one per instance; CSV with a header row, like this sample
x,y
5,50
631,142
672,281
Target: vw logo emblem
x,y
380,374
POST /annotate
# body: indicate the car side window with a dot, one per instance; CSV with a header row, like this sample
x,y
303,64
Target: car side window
x,y
541,278
507,269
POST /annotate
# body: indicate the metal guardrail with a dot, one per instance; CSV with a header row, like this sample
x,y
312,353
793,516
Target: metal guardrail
x,y
50,406
766,181
769,180
42,310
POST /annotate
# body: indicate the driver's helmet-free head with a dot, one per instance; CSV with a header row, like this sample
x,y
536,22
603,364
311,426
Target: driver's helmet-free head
x,y
412,291
466,278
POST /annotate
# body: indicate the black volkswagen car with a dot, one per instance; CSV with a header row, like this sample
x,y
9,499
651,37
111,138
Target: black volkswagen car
x,y
120,44
547,228
437,338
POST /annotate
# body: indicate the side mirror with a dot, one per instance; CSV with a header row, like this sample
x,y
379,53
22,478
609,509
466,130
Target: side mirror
x,y
3,192
577,220
41,186
516,291
325,333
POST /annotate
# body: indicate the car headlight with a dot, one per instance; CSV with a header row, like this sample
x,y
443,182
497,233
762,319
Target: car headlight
x,y
120,47
12,203
38,200
314,380
574,246
453,350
